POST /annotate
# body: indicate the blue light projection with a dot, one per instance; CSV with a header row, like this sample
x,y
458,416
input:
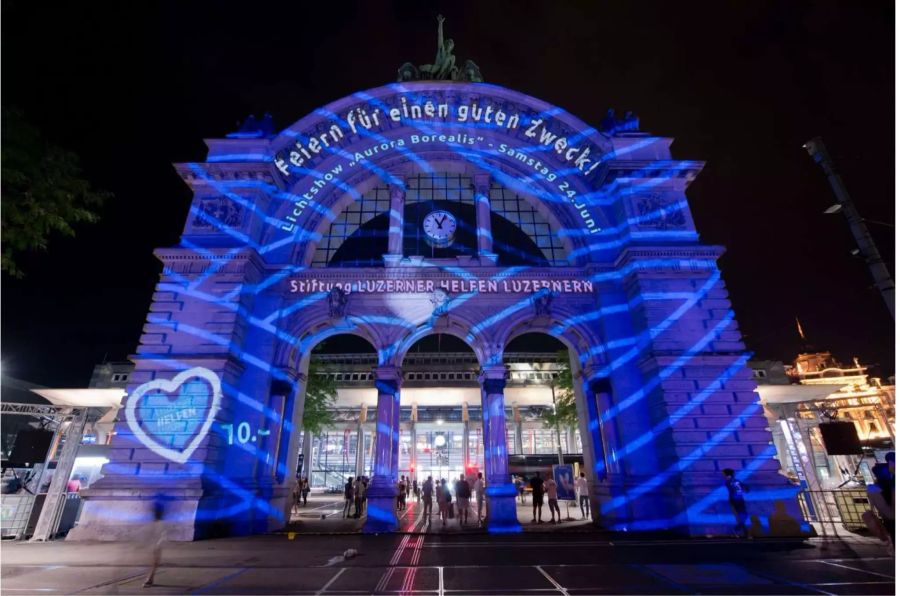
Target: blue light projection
x,y
240,321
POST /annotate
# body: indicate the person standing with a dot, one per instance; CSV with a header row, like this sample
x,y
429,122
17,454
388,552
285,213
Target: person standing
x,y
463,495
520,488
348,496
584,500
736,491
427,494
552,501
401,493
537,498
304,489
479,496
881,496
415,486
360,496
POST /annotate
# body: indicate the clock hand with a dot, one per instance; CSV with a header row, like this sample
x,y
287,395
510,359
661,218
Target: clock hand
x,y
441,223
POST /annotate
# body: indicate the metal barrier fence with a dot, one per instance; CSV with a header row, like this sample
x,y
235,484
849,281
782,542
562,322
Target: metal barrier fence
x,y
844,506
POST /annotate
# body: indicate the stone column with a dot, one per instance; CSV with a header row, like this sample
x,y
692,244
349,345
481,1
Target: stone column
x,y
306,469
380,513
485,428
465,441
483,219
395,229
395,441
517,420
361,442
501,492
413,455
599,441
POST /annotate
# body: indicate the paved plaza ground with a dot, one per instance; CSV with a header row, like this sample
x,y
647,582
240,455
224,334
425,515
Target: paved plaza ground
x,y
449,564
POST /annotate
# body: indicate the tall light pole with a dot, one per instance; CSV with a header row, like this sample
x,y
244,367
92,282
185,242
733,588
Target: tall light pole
x,y
559,450
868,250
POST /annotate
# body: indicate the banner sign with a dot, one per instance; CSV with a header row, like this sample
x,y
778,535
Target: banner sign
x,y
422,286
564,475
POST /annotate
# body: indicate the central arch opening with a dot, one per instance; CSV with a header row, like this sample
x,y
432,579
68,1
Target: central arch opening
x,y
545,444
440,401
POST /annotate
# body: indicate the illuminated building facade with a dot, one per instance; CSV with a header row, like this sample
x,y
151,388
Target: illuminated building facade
x,y
425,207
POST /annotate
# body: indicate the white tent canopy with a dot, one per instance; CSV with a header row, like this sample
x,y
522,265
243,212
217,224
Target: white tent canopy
x,y
84,398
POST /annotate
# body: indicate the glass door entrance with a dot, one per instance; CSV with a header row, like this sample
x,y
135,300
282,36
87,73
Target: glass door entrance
x,y
439,451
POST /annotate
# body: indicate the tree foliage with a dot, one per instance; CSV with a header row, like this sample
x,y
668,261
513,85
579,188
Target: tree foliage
x,y
321,393
42,191
565,414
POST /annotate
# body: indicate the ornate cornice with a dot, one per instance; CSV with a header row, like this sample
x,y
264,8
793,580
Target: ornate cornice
x,y
696,253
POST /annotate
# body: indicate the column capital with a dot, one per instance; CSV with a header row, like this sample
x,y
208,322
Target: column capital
x,y
388,373
595,377
599,385
482,182
493,379
387,378
398,191
493,374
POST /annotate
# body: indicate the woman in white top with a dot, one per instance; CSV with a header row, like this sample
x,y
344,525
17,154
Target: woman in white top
x,y
584,501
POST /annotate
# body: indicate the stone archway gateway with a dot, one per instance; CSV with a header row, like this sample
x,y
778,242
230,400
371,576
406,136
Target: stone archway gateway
x,y
608,261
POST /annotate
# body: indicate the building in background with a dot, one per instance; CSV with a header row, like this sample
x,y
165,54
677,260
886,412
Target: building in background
x,y
815,389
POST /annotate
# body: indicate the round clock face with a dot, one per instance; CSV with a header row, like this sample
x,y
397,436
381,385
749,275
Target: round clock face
x,y
439,227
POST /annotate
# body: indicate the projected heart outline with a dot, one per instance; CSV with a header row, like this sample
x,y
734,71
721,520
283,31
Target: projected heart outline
x,y
170,386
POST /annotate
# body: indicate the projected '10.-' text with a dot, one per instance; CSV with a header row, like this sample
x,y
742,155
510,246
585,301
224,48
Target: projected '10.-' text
x,y
243,433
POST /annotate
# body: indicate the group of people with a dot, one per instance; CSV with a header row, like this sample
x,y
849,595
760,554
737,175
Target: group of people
x,y
540,487
404,487
444,494
355,496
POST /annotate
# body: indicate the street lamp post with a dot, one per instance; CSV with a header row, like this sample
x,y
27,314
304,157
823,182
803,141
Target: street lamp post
x,y
559,450
868,250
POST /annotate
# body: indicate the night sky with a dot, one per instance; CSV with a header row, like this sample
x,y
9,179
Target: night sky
x,y
133,87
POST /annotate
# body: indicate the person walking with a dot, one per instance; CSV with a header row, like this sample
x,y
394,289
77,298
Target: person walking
x,y
736,490
537,498
584,500
552,501
297,494
416,490
444,501
304,490
156,536
427,494
479,496
348,496
463,495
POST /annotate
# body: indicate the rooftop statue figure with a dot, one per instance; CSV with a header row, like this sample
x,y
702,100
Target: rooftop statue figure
x,y
444,67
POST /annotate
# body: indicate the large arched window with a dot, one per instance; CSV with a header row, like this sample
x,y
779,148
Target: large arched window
x,y
358,237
